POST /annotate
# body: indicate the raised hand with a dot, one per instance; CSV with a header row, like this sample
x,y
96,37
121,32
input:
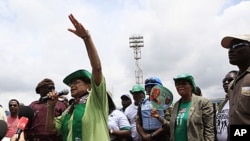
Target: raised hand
x,y
80,31
154,113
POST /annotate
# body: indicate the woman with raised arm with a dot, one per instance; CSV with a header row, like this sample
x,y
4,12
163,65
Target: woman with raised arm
x,y
86,118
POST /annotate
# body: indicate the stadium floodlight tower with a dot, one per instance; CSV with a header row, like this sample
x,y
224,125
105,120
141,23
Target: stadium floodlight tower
x,y
136,42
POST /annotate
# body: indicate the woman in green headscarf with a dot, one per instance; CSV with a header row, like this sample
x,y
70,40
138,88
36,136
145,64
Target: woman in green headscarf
x,y
86,118
192,116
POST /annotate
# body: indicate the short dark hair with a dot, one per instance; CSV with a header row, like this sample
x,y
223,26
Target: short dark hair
x,y
198,91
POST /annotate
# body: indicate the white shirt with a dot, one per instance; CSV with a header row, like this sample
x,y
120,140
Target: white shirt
x,y
116,121
6,139
222,121
131,113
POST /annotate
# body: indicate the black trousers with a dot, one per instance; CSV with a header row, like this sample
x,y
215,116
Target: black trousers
x,y
163,136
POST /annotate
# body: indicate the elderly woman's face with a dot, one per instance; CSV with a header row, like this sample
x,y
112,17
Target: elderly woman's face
x,y
183,87
78,88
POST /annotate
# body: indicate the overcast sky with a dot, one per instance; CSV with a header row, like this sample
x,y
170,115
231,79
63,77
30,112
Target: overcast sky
x,y
179,36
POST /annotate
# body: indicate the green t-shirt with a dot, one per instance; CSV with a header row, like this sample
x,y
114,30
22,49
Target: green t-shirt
x,y
181,122
94,121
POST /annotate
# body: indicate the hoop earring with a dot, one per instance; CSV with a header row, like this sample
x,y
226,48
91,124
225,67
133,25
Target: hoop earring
x,y
88,90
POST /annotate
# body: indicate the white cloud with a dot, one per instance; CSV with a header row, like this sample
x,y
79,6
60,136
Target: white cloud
x,y
178,37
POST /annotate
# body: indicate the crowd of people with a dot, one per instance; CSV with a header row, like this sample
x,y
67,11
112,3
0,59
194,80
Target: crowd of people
x,y
91,114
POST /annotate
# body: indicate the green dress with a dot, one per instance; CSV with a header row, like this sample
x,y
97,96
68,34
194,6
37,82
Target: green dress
x,y
92,124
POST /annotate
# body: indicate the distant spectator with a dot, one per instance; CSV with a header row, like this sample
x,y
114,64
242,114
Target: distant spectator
x,y
126,101
118,124
138,93
198,91
222,118
12,119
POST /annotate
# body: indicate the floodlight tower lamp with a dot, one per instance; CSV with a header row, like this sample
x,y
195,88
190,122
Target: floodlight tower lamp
x,y
136,42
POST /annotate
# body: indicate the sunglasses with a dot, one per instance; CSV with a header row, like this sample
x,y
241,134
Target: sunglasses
x,y
51,87
227,80
239,45
13,105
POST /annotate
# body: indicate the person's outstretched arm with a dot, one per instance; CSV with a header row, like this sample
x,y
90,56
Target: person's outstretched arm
x,y
95,62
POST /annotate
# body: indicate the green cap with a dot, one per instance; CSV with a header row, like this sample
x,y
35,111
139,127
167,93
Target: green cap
x,y
188,78
137,88
77,74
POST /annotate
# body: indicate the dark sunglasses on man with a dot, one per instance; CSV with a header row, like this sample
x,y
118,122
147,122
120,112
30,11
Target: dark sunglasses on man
x,y
239,44
227,80
48,87
51,88
12,105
